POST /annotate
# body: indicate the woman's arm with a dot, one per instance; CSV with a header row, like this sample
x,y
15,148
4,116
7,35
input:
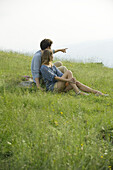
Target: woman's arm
x,y
65,80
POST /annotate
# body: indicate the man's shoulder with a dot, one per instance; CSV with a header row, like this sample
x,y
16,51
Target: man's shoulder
x,y
38,53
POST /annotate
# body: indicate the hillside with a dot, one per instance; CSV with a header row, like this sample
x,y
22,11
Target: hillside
x,y
44,130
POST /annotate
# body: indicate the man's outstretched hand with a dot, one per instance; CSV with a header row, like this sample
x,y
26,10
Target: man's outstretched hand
x,y
61,50
64,50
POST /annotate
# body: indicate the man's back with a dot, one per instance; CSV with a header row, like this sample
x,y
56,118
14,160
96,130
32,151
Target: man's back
x,y
35,65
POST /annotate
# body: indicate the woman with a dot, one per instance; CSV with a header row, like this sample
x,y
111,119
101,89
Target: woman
x,y
57,81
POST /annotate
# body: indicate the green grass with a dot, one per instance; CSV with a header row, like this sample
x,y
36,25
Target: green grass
x,y
58,131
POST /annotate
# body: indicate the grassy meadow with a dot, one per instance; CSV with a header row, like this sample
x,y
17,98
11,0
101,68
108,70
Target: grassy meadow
x,y
55,131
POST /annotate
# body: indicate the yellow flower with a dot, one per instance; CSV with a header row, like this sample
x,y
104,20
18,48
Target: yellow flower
x,y
61,113
101,156
81,144
56,123
109,167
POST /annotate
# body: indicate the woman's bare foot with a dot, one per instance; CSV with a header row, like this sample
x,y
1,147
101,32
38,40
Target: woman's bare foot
x,y
101,94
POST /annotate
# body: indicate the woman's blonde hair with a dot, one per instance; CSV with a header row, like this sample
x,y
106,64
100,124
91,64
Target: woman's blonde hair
x,y
46,56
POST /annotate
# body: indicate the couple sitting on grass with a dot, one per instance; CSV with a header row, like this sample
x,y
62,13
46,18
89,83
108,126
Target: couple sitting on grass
x,y
56,77
55,80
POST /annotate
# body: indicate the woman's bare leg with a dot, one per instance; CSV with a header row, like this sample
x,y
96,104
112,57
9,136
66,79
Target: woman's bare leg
x,y
86,88
61,85
68,88
68,75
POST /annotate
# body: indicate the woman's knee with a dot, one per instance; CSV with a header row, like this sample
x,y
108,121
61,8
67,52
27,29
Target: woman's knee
x,y
58,64
69,72
63,69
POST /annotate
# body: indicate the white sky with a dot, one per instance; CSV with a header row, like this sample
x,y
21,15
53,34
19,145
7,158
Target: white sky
x,y
24,23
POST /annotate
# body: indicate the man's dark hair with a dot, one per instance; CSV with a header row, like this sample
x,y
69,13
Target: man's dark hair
x,y
45,44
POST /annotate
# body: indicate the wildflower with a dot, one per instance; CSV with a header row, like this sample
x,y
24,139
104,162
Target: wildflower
x,y
82,146
101,156
109,167
56,123
9,143
61,113
105,152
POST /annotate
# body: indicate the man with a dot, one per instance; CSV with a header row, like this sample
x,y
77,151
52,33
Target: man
x,y
36,61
